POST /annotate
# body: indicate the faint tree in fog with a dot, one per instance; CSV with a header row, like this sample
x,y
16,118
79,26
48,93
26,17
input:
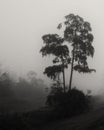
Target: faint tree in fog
x,y
77,38
7,95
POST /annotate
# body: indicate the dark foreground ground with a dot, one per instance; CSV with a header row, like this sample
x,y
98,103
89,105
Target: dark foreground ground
x,y
89,121
44,120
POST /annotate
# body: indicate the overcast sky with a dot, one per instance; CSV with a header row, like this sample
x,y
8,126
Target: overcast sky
x,y
24,22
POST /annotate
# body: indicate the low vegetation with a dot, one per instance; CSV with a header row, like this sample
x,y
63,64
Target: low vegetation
x,y
68,104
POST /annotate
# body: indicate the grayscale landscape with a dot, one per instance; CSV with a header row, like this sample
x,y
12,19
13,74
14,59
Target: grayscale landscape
x,y
51,65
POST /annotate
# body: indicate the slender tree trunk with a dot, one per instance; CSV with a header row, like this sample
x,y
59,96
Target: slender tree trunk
x,y
63,72
58,80
64,79
71,74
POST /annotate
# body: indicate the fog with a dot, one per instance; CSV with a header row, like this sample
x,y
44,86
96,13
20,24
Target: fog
x,y
22,94
24,22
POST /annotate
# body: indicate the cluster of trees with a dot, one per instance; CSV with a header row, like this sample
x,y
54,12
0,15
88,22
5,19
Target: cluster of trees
x,y
71,49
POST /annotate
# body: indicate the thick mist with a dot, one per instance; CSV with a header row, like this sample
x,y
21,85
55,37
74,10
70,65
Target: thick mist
x,y
22,94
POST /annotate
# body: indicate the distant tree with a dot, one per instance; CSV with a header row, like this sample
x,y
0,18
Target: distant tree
x,y
5,85
77,33
7,95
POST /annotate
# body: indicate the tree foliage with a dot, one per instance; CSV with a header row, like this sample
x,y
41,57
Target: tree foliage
x,y
77,32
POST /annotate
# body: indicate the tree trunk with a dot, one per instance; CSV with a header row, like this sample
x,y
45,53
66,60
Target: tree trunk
x,y
64,79
63,72
71,74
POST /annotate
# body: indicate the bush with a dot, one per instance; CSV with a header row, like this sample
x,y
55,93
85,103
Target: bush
x,y
68,104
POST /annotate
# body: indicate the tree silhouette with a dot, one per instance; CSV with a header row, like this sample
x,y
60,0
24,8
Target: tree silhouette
x,y
77,33
54,46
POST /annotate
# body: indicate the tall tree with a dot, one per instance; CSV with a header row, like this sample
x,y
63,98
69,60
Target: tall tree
x,y
77,32
54,46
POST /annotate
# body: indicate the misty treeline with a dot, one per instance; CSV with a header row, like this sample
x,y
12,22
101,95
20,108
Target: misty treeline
x,y
21,94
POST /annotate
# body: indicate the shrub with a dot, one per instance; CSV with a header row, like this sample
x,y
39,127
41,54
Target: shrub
x,y
68,104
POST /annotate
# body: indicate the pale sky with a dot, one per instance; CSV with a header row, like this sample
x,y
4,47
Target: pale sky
x,y
24,22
